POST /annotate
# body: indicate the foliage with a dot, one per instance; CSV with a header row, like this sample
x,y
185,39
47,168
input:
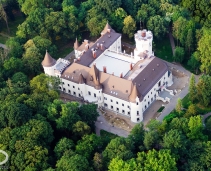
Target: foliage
x,y
179,54
129,26
192,88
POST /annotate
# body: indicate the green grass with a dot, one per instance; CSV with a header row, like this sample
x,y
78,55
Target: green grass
x,y
64,52
161,109
13,25
104,133
3,39
163,49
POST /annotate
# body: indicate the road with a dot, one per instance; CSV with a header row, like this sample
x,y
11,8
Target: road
x,y
3,46
170,106
101,123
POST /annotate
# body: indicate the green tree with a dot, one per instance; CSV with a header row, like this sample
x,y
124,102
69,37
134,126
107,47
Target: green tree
x,y
158,26
62,146
156,160
98,161
204,49
19,76
88,145
204,90
151,139
88,113
196,127
137,135
118,147
179,54
81,128
129,26
194,62
192,111
74,162
192,88
179,106
119,164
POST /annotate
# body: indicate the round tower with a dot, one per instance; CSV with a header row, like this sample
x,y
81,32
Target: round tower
x,y
48,64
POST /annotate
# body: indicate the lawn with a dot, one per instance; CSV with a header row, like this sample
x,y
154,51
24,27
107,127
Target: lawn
x,y
3,39
13,25
162,49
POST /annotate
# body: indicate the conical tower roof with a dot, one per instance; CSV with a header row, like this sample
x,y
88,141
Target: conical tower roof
x,y
76,44
81,79
48,61
105,30
133,94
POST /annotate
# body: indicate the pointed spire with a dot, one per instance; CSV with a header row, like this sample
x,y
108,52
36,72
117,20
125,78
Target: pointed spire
x,y
94,73
133,94
48,61
76,44
81,79
107,28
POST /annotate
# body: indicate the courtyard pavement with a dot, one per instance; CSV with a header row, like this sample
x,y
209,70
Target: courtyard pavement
x,y
3,46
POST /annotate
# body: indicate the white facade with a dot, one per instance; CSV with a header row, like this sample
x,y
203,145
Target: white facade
x,y
134,109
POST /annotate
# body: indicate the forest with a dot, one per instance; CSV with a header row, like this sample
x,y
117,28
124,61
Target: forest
x,y
39,131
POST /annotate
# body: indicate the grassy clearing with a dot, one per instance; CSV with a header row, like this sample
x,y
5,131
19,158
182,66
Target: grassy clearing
x,y
13,25
3,39
161,109
163,49
104,133
64,52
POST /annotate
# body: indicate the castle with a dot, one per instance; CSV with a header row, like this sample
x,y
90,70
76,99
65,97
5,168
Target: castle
x,y
101,73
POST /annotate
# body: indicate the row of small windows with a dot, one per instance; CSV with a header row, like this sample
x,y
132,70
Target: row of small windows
x,y
118,102
117,109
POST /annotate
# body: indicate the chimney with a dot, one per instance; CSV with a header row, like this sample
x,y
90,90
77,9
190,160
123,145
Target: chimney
x,y
79,58
108,30
86,47
112,73
121,75
75,60
98,44
94,54
102,34
143,33
104,69
86,41
101,46
131,66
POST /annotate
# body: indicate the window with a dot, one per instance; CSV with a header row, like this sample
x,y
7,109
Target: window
x,y
74,93
122,104
159,83
105,98
148,96
79,95
116,102
128,113
111,100
73,86
152,99
145,100
68,84
105,104
78,88
148,103
112,107
89,93
145,106
94,95
68,91
164,78
151,92
117,109
155,95
62,82
60,87
63,89
137,113
136,103
138,119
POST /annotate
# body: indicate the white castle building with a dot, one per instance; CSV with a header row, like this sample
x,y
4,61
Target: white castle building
x,y
124,83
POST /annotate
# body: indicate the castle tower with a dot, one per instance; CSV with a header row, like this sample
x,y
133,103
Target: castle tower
x,y
143,48
136,105
48,64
